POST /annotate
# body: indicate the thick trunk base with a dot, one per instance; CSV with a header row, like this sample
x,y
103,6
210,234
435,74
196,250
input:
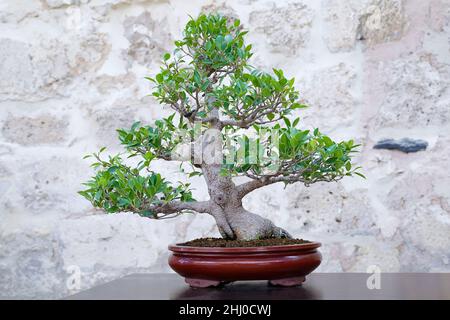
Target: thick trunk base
x,y
249,226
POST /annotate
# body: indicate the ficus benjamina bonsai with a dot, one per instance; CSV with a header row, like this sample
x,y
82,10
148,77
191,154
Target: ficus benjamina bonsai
x,y
231,121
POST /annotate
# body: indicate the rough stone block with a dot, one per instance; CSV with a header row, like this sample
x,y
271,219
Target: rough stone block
x,y
31,72
61,3
148,39
330,96
382,21
370,21
47,185
38,270
416,92
106,121
31,131
286,28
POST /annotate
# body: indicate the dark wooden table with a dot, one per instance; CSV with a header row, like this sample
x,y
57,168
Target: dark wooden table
x,y
318,286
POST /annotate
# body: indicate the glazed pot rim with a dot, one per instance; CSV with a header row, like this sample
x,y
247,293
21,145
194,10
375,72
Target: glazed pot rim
x,y
178,248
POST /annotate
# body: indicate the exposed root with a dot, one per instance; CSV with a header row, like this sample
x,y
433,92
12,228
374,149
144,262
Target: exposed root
x,y
224,228
250,226
280,233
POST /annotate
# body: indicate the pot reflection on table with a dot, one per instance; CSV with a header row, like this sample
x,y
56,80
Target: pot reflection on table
x,y
252,290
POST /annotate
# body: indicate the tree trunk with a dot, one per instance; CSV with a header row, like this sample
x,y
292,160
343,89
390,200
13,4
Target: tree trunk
x,y
233,221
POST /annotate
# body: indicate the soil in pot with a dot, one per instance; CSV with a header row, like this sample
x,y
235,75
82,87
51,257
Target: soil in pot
x,y
223,243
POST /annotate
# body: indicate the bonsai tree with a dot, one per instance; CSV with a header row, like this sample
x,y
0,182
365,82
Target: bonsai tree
x,y
231,121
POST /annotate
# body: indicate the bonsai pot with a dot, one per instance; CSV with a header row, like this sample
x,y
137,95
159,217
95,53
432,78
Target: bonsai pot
x,y
285,265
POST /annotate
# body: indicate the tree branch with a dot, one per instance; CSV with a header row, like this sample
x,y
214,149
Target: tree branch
x,y
254,184
175,208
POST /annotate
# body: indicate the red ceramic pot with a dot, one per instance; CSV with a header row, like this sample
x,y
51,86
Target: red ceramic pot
x,y
281,265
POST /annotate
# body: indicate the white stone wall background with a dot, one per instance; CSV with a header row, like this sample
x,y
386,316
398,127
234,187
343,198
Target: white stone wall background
x,y
72,71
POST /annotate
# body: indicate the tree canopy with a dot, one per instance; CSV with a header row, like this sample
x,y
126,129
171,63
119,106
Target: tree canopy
x,y
210,84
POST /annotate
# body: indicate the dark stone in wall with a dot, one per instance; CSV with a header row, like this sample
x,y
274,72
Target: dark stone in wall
x,y
406,145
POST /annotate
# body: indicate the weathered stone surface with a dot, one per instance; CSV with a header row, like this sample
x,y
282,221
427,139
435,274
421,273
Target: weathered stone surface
x,y
5,150
319,209
32,131
122,115
406,145
88,54
328,93
117,3
416,92
109,84
4,172
31,72
356,254
5,180
286,28
31,264
342,17
371,21
148,38
439,15
51,187
382,21
123,244
62,3
12,12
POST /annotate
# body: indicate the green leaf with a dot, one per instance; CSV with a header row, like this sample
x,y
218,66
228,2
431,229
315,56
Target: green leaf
x,y
278,73
328,142
123,202
360,174
287,122
228,38
197,77
147,213
348,166
159,78
297,105
219,41
135,125
194,173
149,156
166,56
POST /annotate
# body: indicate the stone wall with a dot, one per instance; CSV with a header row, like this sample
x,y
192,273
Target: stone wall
x,y
72,71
